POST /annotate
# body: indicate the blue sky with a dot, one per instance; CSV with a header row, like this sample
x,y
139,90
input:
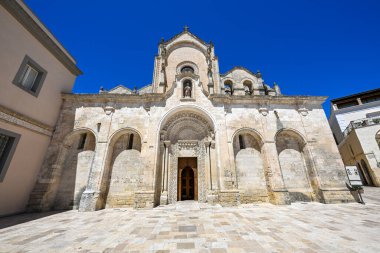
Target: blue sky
x,y
308,47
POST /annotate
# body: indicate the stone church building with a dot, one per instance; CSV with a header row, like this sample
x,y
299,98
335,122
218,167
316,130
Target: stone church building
x,y
193,134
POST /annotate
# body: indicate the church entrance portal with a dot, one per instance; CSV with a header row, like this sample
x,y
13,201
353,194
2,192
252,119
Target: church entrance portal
x,y
187,178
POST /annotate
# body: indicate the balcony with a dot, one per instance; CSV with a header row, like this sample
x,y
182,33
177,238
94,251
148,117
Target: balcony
x,y
359,123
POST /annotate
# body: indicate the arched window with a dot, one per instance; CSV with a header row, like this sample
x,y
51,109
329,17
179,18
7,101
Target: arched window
x,y
82,141
187,69
130,142
228,87
241,142
247,87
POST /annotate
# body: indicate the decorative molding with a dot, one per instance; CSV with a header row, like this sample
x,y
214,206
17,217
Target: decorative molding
x,y
21,120
27,21
263,111
187,99
109,109
187,63
198,150
183,115
160,97
303,111
260,99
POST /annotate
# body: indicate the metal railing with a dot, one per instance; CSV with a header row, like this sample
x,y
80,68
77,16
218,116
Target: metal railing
x,y
361,123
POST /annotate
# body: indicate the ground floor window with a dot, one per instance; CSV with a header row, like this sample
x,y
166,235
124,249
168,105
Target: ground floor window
x,y
8,142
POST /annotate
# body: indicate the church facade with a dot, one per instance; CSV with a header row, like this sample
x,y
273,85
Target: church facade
x,y
193,134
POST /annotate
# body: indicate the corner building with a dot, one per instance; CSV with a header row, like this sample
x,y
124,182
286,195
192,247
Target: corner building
x,y
193,134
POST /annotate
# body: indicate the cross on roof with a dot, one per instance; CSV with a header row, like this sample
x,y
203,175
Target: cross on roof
x,y
186,28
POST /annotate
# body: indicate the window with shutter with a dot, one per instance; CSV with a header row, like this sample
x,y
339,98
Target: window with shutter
x,y
30,76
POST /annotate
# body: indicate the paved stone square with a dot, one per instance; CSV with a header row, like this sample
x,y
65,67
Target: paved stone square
x,y
193,227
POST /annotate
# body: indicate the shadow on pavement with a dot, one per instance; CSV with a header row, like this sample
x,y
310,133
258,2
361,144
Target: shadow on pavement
x,y
16,219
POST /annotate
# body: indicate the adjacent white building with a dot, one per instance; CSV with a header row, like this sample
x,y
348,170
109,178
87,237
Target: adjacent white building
x,y
355,122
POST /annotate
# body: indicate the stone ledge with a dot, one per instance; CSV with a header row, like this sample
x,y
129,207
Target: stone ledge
x,y
18,119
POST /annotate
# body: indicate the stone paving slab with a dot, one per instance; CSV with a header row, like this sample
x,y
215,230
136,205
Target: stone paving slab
x,y
193,227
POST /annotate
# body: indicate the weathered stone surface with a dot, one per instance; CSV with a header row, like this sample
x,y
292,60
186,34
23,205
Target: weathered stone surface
x,y
246,146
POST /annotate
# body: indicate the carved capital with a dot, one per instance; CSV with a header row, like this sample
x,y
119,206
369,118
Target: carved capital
x,y
109,109
303,111
263,111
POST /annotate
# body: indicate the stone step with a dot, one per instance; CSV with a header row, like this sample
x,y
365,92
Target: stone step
x,y
188,206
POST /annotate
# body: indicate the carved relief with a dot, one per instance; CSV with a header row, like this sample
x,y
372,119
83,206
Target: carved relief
x,y
187,149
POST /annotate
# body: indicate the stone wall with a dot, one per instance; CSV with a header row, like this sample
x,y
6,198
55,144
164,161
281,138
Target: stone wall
x,y
293,167
126,178
288,154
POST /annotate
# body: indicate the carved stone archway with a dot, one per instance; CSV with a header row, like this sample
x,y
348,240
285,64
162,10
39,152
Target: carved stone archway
x,y
189,148
186,134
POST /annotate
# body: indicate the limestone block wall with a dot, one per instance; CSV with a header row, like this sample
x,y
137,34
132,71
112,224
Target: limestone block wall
x,y
293,167
285,149
73,180
126,178
249,169
181,55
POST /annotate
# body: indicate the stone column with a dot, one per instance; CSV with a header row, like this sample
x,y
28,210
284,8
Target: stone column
x,y
212,196
214,173
165,174
274,174
92,198
208,165
167,144
163,152
234,176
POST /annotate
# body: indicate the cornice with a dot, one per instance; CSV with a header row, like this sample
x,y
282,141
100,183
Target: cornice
x,y
218,98
19,13
18,119
265,99
114,97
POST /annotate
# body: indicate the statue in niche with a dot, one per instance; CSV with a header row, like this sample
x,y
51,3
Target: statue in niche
x,y
187,90
247,90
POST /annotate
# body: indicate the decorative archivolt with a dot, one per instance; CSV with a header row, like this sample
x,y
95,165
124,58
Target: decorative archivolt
x,y
187,130
186,125
184,115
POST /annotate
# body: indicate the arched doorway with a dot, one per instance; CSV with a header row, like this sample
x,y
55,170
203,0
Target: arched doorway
x,y
186,140
186,184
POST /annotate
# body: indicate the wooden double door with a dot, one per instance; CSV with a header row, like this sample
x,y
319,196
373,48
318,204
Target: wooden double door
x,y
187,178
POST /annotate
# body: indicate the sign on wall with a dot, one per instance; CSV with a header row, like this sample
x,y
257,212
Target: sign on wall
x,y
353,176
